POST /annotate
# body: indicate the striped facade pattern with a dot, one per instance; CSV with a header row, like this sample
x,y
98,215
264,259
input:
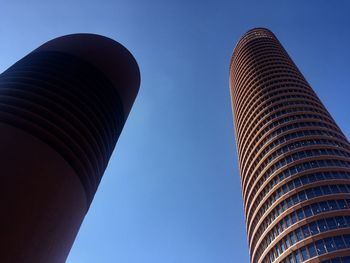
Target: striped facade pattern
x,y
68,104
294,160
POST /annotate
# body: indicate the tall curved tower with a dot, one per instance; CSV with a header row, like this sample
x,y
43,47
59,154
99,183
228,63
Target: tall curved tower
x,y
62,109
294,160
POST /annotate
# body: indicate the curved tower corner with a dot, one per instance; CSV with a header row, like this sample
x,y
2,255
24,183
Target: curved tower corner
x,y
294,160
62,109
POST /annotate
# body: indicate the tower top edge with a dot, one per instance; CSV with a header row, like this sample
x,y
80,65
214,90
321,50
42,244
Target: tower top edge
x,y
109,56
254,33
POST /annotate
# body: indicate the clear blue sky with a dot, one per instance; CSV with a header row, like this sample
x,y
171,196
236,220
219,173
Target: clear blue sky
x,y
171,193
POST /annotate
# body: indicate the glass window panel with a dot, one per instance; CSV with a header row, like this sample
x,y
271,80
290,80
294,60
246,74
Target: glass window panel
x,y
304,180
284,206
299,234
283,247
331,223
302,196
322,226
334,188
294,218
312,177
340,222
291,258
313,228
330,245
293,240
343,188
278,249
306,231
297,182
339,242
298,257
342,204
287,241
284,188
316,209
310,193
300,214
324,206
346,259
347,188
347,240
307,211
317,191
320,247
291,185
347,220
295,199
312,250
287,221
332,205
304,253
326,190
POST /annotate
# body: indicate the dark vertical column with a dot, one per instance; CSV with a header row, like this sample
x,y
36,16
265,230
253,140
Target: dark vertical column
x,y
294,160
62,109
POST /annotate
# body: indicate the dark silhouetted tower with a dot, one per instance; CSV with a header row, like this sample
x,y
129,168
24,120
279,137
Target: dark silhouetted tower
x,y
294,160
62,109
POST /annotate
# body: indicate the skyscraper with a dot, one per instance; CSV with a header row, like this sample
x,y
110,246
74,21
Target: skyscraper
x,y
62,109
294,160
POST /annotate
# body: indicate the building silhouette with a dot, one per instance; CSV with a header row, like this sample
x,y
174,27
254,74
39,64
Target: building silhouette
x,y
294,160
62,109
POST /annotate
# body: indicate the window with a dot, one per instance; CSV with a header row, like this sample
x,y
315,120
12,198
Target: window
x,y
307,211
312,250
324,206
332,205
317,191
340,221
298,257
287,241
339,242
302,196
291,259
334,189
306,231
299,234
347,240
287,221
320,247
322,225
336,260
292,238
331,223
343,188
326,190
313,228
304,253
316,209
342,204
329,244
300,214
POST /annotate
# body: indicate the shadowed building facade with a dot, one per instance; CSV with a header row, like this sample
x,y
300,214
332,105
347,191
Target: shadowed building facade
x,y
62,109
294,160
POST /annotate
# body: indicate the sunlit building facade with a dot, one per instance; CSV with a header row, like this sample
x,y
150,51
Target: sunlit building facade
x,y
294,160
